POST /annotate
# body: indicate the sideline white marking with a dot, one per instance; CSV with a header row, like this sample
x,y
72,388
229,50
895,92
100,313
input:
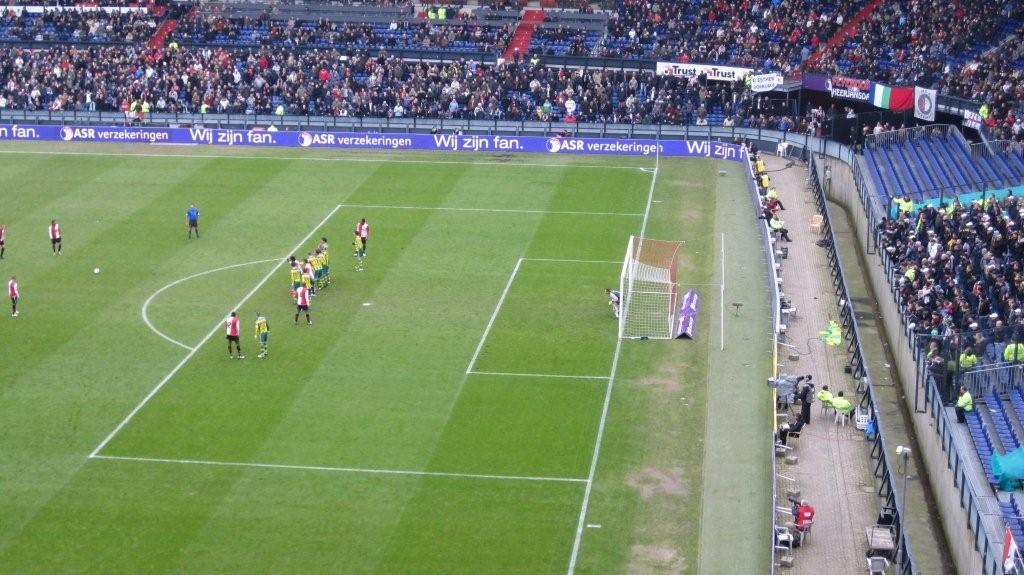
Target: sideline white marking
x,y
145,305
561,376
494,316
382,160
572,261
721,297
213,331
581,523
495,210
340,469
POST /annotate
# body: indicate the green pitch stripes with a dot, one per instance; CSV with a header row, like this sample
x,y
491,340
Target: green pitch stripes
x,y
362,444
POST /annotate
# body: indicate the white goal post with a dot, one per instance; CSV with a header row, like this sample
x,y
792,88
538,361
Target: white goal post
x,y
648,288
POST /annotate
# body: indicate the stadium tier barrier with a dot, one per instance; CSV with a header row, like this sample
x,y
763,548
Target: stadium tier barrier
x,y
375,141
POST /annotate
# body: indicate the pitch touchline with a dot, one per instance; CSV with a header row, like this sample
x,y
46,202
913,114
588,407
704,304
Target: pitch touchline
x,y
205,339
494,210
340,469
145,305
382,160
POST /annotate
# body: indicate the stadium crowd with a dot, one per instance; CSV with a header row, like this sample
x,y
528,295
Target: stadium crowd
x,y
323,33
320,82
913,43
960,274
60,25
265,65
753,33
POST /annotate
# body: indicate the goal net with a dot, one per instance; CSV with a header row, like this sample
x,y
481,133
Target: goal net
x,y
648,289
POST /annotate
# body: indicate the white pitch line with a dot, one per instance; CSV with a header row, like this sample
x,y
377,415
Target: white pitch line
x,y
382,160
581,523
494,316
213,331
145,305
559,376
572,261
650,194
407,472
721,298
494,210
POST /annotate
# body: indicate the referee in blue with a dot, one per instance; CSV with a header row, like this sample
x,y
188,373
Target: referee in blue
x,y
192,220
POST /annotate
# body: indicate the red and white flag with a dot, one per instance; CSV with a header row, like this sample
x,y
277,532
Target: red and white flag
x,y
1010,552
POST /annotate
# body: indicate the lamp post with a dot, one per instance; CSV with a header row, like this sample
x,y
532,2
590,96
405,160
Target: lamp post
x,y
904,453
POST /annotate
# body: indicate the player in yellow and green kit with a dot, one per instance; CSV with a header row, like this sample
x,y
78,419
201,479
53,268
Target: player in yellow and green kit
x,y
326,260
360,247
318,270
296,276
262,334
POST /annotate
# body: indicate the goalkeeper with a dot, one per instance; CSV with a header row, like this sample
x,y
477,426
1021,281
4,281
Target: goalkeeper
x,y
614,299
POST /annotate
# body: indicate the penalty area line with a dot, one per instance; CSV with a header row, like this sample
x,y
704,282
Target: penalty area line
x,y
490,210
494,316
205,339
542,375
362,470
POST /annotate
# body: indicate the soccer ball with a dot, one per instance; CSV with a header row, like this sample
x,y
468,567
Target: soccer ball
x,y
96,270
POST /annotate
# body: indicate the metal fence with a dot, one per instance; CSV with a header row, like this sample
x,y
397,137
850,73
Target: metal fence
x,y
936,390
970,493
903,559
898,137
773,294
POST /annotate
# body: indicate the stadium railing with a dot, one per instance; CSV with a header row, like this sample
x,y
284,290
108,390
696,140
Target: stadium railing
x,y
801,143
986,535
773,294
883,471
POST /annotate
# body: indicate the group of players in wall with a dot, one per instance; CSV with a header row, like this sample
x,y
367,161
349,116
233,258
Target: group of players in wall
x,y
308,276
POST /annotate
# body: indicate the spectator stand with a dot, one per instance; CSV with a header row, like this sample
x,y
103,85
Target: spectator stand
x,y
77,24
932,383
321,26
568,34
935,165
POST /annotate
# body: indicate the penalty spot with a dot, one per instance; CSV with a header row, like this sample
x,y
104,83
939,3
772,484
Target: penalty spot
x,y
367,304
593,526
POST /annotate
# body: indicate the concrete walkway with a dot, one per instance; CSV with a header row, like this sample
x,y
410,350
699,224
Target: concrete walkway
x,y
834,470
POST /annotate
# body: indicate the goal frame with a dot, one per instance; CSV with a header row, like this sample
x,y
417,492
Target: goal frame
x,y
660,255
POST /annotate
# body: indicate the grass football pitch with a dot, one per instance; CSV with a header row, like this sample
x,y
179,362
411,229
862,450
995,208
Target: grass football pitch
x,y
460,406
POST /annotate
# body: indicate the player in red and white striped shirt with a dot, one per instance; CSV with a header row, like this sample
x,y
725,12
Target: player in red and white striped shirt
x,y
12,291
231,326
310,273
302,304
3,240
56,240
